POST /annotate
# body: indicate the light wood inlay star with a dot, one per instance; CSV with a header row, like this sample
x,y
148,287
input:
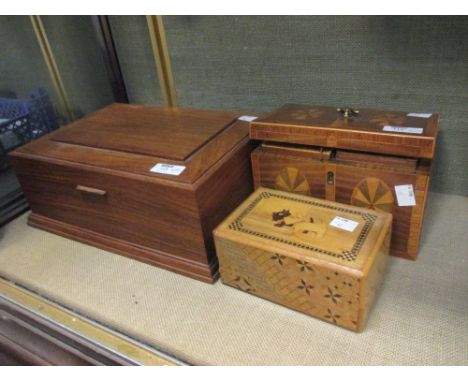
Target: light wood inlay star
x,y
281,247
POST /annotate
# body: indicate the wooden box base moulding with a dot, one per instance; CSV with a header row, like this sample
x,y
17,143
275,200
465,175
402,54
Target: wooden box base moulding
x,y
146,182
321,258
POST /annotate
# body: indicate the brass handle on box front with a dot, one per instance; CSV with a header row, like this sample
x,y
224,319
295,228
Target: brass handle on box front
x,y
90,190
348,112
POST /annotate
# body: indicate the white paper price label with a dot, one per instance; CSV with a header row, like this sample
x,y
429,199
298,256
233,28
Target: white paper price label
x,y
168,169
419,115
405,195
247,118
403,129
343,223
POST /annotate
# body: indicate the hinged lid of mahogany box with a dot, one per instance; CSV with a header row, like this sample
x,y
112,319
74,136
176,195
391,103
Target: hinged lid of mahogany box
x,y
379,131
135,138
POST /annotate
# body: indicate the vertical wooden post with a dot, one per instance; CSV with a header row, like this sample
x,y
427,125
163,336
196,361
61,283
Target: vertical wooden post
x,y
106,43
163,63
54,73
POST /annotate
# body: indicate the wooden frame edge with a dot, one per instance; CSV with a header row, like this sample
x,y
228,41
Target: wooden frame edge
x,y
80,327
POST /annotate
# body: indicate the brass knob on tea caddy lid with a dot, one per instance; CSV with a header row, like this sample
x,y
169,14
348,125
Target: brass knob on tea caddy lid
x,y
348,112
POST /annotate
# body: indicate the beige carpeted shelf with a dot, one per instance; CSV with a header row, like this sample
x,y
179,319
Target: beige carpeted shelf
x,y
420,316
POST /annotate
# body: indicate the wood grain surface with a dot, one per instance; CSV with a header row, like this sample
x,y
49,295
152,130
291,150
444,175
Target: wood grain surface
x,y
361,179
170,133
325,126
286,169
105,196
285,248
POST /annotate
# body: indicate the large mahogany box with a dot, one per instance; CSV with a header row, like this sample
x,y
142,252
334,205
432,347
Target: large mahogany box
x,y
146,182
343,155
321,258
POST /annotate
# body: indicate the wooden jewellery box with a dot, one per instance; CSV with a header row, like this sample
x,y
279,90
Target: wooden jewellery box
x,y
371,158
146,182
321,258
